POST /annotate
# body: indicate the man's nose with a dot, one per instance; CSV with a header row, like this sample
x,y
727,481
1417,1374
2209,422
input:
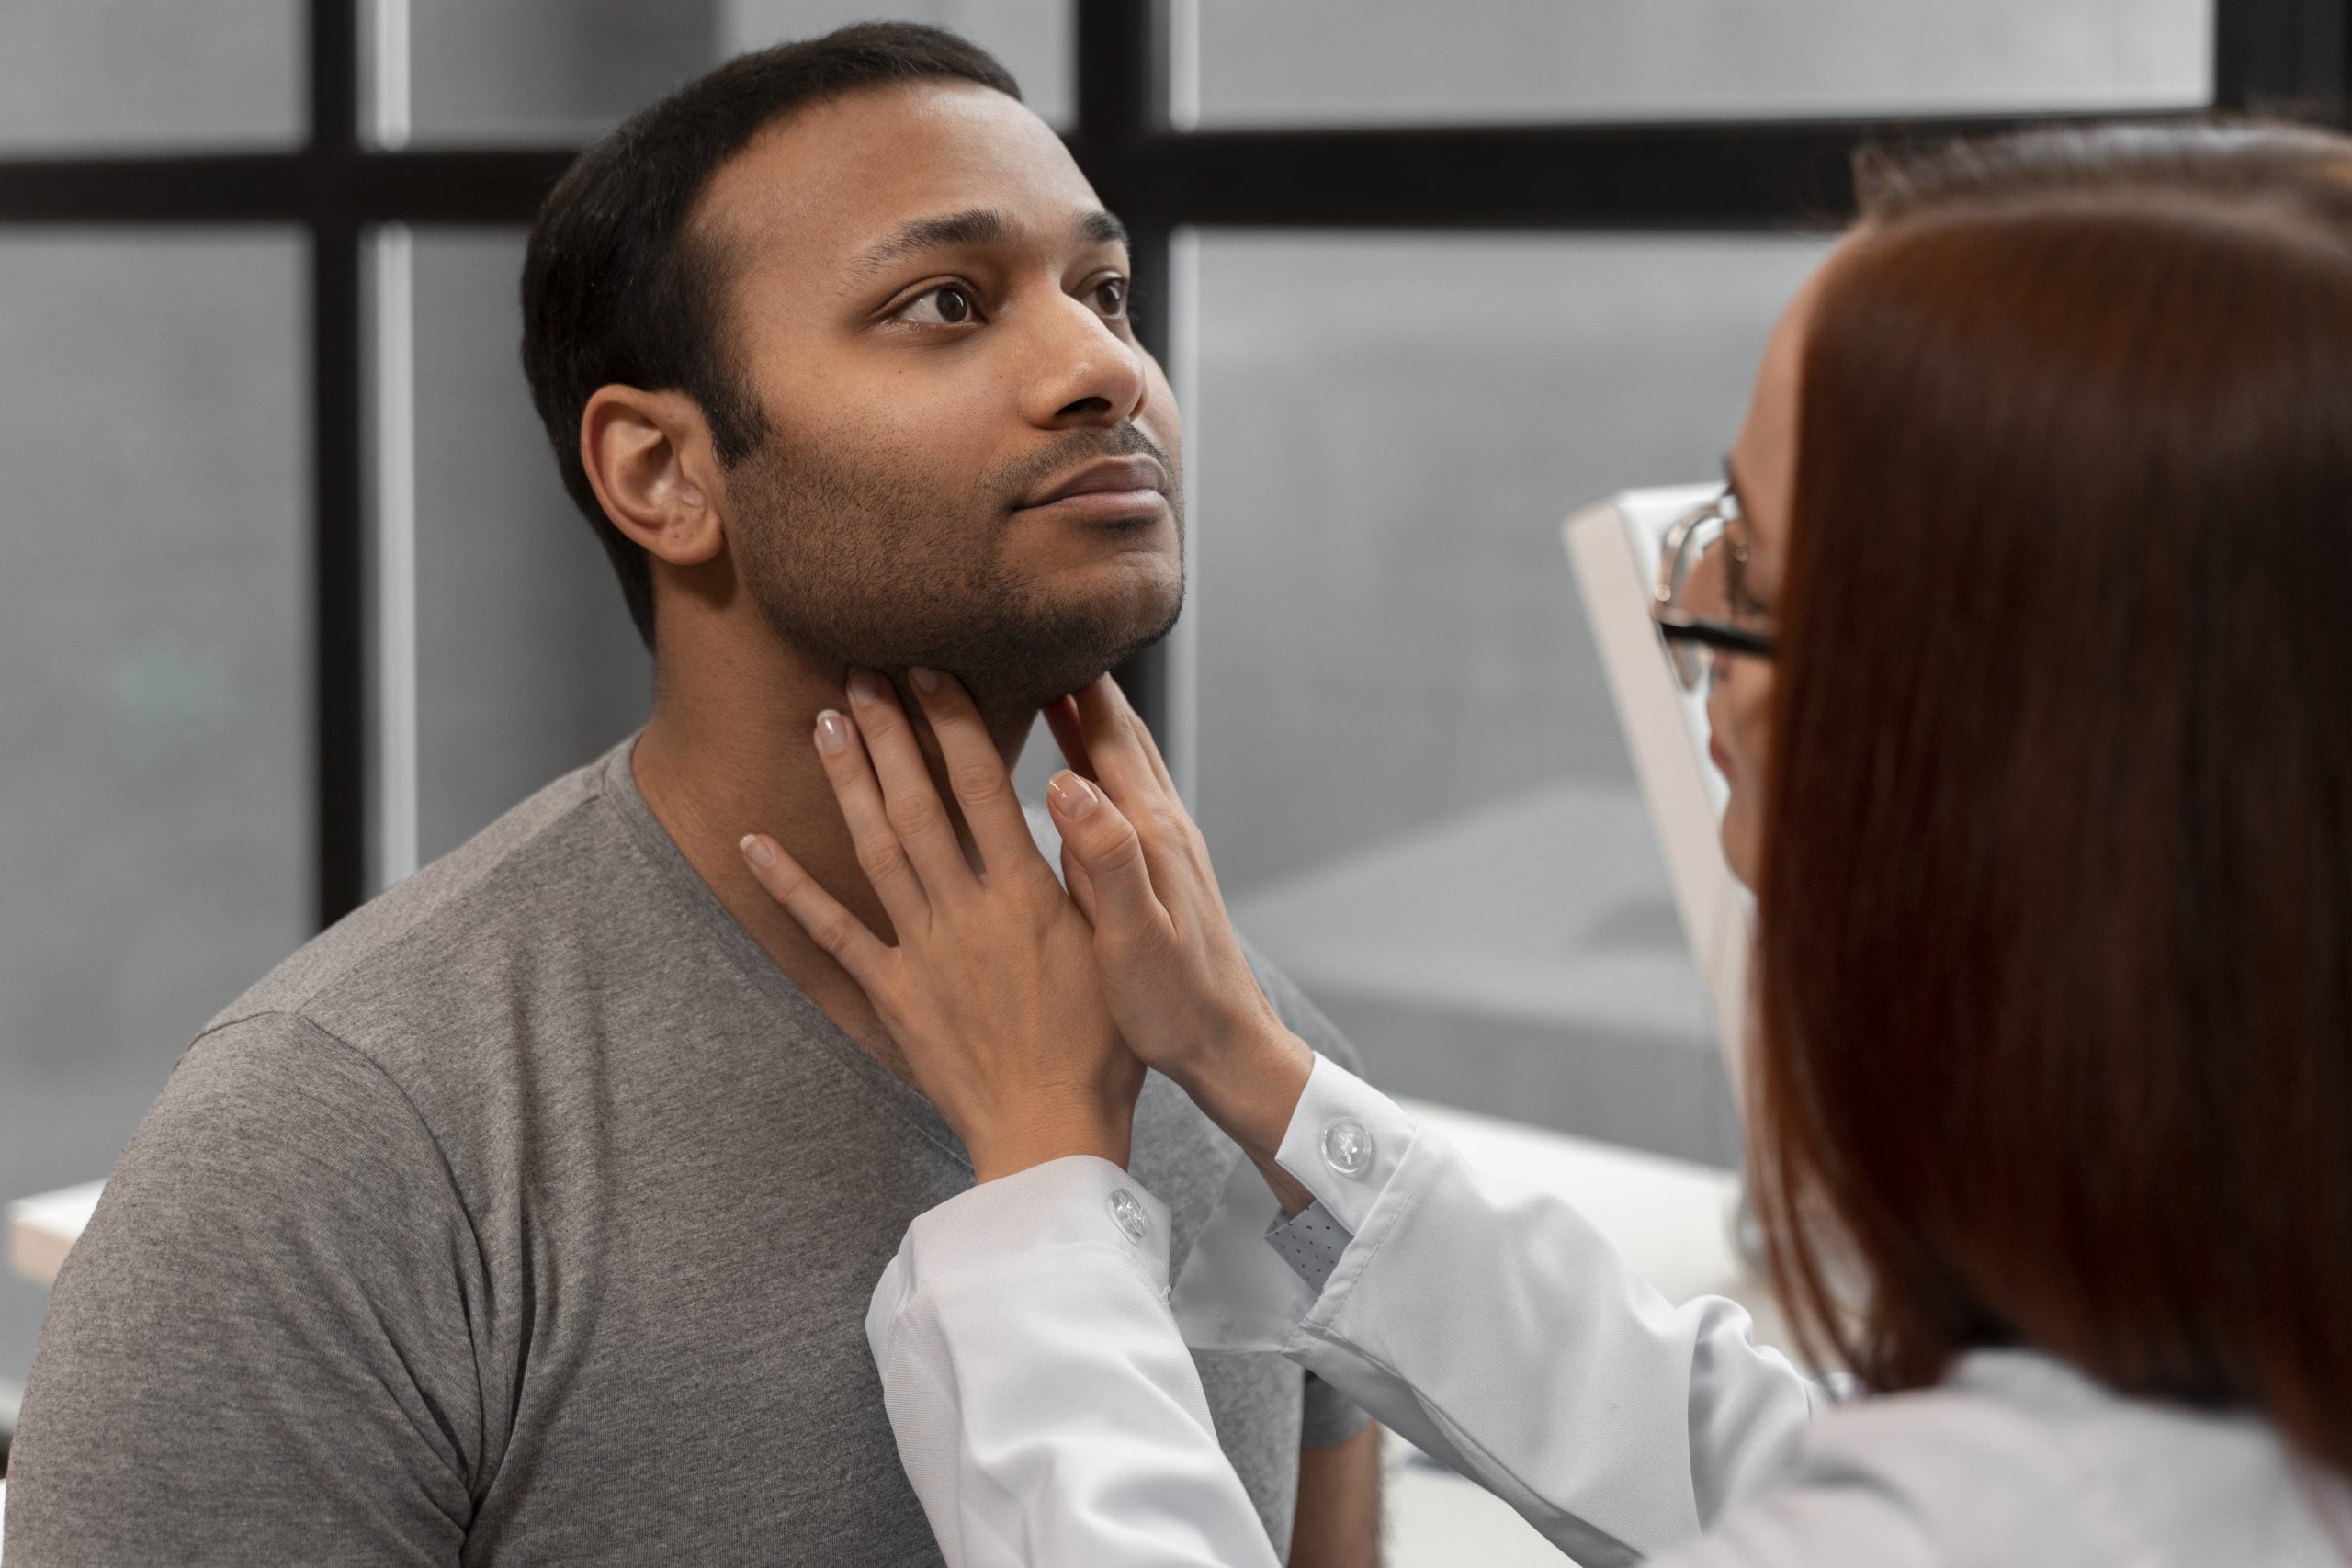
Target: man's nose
x,y
1086,371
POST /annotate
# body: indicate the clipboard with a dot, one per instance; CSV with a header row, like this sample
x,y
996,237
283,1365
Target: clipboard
x,y
1614,546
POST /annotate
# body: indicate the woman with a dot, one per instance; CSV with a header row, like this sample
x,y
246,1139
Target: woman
x,y
2030,683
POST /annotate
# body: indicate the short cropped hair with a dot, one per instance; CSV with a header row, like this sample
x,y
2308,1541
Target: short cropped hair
x,y
615,290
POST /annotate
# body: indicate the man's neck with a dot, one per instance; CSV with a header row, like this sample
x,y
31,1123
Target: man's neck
x,y
729,752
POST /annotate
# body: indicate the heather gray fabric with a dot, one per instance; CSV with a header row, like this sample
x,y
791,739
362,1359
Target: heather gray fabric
x,y
530,1216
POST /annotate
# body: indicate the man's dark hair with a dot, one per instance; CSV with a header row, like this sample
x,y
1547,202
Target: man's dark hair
x,y
615,290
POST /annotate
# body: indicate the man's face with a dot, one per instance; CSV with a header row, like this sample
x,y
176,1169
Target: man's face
x,y
970,463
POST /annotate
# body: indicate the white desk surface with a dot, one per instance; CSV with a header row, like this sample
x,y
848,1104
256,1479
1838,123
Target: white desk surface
x,y
42,1230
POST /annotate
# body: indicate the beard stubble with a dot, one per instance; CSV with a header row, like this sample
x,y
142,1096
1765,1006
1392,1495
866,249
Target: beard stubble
x,y
863,564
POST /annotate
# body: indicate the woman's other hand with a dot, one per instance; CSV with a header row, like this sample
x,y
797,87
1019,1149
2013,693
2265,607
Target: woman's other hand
x,y
1173,972
991,989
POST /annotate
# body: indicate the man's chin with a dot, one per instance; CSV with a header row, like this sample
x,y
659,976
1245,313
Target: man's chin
x,y
1008,687
1067,654
1017,643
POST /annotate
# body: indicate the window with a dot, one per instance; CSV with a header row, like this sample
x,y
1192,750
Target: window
x,y
1396,61
1405,756
154,783
254,281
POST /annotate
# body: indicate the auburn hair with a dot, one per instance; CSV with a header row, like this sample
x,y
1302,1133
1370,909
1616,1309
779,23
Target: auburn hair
x,y
2053,1040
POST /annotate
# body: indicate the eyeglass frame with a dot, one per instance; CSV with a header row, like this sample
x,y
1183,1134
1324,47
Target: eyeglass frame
x,y
1676,627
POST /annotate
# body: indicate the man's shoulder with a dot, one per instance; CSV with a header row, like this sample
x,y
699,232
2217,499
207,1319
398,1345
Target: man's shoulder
x,y
517,882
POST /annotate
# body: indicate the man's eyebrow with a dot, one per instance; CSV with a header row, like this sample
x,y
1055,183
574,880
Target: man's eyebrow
x,y
1100,228
918,236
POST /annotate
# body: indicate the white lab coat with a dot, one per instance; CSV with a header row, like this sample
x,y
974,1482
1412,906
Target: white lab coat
x,y
1034,1365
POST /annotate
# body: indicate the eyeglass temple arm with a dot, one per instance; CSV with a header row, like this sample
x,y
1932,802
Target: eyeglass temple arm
x,y
1670,547
1731,639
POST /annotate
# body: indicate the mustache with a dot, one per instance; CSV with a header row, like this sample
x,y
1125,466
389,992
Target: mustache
x,y
1073,447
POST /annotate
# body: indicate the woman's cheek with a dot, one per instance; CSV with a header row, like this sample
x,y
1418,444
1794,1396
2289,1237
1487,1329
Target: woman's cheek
x,y
1736,711
1739,835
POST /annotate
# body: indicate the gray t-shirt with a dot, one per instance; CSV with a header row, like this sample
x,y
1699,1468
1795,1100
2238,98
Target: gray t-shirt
x,y
530,1216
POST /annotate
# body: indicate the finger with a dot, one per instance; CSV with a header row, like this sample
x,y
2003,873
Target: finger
x,y
976,771
1081,887
1121,765
859,794
1111,854
909,799
1143,736
829,925
1123,769
1070,734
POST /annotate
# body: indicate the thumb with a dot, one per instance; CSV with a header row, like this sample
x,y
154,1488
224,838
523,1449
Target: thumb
x,y
1101,845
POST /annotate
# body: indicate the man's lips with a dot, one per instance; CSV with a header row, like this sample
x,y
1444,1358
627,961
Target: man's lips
x,y
1109,487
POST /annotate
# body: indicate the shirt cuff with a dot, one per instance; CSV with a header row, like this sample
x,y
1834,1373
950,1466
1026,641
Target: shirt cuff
x,y
1077,1201
1310,1242
1237,1292
1344,1142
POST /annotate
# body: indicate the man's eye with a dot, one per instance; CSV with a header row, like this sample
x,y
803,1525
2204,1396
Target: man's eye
x,y
1111,297
948,305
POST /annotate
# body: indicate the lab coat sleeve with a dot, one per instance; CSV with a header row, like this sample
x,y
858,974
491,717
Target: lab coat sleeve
x,y
1048,1412
1499,1331
1046,1408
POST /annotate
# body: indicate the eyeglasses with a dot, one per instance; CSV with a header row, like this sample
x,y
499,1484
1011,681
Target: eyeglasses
x,y
1703,592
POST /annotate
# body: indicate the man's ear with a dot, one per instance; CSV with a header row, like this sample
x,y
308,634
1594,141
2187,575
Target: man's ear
x,y
650,457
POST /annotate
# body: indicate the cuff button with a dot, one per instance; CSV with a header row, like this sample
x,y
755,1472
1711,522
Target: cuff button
x,y
1347,1146
1126,1210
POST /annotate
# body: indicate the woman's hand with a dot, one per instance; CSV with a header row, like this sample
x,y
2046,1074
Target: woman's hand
x,y
1179,987
992,990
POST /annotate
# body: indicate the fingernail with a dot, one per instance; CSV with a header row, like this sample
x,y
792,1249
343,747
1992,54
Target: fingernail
x,y
755,850
832,731
863,686
1072,794
926,681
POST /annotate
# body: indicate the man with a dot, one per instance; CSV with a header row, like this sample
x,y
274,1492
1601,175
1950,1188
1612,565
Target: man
x,y
530,1214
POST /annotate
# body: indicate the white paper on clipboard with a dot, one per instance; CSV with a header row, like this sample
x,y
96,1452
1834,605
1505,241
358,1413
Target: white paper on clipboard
x,y
1614,546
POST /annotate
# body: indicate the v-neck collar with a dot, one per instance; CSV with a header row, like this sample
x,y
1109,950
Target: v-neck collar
x,y
678,877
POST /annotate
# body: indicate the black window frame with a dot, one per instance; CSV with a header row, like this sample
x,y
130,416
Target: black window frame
x,y
2288,57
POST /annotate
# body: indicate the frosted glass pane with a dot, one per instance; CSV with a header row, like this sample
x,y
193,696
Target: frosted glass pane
x,y
527,664
543,71
94,74
1408,766
1034,39
156,815
1381,61
555,72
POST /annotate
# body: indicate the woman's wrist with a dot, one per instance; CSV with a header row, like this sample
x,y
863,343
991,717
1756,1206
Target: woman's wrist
x,y
1250,1083
1040,1139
